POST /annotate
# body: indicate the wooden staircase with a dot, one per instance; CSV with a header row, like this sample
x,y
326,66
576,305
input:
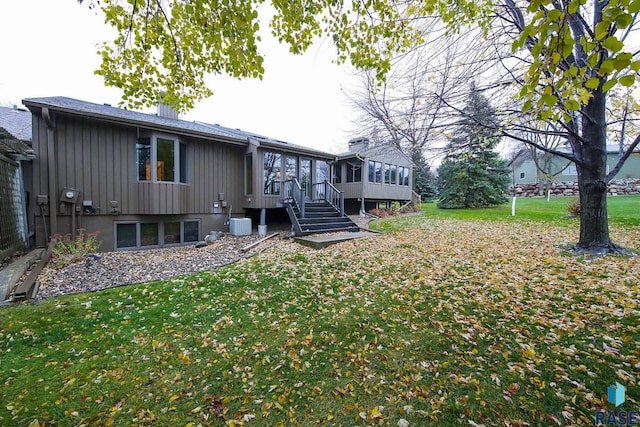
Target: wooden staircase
x,y
319,217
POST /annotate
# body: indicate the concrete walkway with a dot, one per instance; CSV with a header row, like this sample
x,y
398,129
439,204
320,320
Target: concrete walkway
x,y
319,242
11,274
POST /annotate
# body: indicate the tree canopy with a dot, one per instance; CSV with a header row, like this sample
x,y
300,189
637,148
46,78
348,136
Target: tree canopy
x,y
171,46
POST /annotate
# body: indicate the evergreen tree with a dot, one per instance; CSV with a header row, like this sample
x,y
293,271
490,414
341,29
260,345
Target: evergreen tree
x,y
425,182
473,175
424,179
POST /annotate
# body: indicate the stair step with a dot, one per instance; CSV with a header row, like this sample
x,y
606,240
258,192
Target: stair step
x,y
319,209
320,217
324,220
306,232
320,225
308,215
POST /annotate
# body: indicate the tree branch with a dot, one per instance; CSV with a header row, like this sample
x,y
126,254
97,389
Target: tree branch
x,y
623,159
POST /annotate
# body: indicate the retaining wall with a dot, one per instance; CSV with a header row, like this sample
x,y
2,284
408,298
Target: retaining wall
x,y
620,187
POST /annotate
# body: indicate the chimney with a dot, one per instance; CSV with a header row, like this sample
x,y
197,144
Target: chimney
x,y
164,110
358,144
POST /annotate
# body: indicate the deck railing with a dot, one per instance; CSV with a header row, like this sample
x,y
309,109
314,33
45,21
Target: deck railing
x,y
333,196
416,199
325,191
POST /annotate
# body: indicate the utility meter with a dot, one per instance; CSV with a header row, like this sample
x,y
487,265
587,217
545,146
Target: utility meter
x,y
69,195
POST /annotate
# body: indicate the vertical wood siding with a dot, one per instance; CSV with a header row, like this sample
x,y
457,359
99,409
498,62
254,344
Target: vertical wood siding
x,y
99,160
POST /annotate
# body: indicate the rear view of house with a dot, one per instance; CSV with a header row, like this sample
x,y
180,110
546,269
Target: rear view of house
x,y
144,180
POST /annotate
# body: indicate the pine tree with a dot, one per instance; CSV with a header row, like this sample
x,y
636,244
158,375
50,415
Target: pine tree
x,y
473,175
425,180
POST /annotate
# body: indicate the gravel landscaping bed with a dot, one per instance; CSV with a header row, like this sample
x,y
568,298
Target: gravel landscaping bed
x,y
110,269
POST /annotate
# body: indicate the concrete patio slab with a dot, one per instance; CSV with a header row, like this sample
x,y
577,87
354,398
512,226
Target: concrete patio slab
x,y
320,241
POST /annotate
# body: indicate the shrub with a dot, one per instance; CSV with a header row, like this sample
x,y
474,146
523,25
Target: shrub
x,y
67,251
394,211
410,209
380,213
574,207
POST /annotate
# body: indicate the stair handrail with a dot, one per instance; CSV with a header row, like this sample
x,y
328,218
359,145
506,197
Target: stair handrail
x,y
294,191
334,197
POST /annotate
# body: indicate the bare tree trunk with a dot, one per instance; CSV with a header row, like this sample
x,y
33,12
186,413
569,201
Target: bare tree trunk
x,y
594,223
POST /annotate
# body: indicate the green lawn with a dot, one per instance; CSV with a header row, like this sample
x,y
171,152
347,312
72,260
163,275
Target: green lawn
x,y
623,210
444,321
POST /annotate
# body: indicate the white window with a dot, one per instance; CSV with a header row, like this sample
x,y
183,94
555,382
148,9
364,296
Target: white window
x,y
168,154
570,170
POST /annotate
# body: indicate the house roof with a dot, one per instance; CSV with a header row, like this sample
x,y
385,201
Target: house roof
x,y
119,115
266,141
15,131
155,122
362,152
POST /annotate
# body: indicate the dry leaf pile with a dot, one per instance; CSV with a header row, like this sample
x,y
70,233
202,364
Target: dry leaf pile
x,y
445,323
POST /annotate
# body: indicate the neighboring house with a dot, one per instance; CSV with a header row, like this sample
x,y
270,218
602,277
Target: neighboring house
x,y
15,157
145,180
525,171
371,175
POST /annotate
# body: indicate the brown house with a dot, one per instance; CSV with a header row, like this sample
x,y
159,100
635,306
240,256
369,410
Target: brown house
x,y
145,180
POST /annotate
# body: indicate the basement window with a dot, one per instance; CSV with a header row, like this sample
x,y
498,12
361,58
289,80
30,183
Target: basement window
x,y
141,235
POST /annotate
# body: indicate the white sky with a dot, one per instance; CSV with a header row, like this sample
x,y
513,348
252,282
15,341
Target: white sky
x,y
49,46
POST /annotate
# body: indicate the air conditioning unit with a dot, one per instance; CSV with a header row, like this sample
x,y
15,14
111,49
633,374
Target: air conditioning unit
x,y
240,226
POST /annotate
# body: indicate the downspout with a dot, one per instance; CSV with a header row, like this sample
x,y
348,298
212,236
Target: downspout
x,y
362,183
51,164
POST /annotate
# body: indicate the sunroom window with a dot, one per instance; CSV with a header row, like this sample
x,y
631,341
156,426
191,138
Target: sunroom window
x,y
375,171
272,172
354,173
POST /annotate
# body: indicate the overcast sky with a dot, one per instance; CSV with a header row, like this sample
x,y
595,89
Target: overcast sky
x,y
49,47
